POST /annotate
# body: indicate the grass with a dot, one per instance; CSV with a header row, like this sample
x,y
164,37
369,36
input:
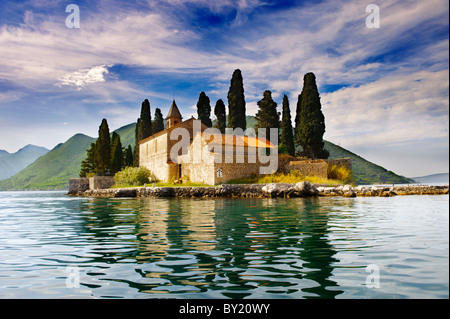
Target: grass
x,y
290,178
161,184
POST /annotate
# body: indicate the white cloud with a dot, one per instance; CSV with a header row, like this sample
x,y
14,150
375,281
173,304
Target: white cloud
x,y
394,109
84,77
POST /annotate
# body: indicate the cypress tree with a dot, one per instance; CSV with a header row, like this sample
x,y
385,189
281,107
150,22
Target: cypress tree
x,y
310,120
88,164
146,120
287,137
117,156
128,161
103,150
236,102
219,112
267,116
204,109
158,122
137,139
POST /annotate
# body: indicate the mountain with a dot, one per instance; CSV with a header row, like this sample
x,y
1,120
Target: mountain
x,y
11,164
54,169
365,172
442,178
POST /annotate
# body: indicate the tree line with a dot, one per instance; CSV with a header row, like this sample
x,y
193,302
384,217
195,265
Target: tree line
x,y
309,121
107,156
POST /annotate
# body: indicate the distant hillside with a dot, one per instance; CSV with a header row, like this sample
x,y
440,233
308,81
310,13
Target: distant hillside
x,y
54,169
12,163
433,179
365,172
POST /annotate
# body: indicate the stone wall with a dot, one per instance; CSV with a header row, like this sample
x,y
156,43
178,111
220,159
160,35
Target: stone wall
x,y
309,167
346,162
101,182
78,185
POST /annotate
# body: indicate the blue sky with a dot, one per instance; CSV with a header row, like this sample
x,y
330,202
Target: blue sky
x,y
384,91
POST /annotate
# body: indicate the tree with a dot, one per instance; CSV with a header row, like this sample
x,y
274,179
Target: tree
x,y
88,164
146,120
310,122
267,116
137,139
128,160
102,154
287,137
236,102
220,113
117,156
158,122
204,109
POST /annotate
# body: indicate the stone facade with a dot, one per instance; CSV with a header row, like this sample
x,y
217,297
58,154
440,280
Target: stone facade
x,y
101,182
77,185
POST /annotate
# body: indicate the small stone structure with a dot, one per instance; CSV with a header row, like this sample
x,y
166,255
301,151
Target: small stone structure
x,y
83,184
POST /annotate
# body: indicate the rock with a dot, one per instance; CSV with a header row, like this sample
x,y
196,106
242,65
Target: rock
x,y
278,189
306,189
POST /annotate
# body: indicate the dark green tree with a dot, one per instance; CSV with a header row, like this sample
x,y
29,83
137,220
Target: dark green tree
x,y
204,109
236,102
158,122
310,121
128,160
137,139
102,154
287,136
146,120
267,116
88,164
220,113
117,155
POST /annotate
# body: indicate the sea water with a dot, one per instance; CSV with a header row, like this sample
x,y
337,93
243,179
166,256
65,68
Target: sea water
x,y
56,246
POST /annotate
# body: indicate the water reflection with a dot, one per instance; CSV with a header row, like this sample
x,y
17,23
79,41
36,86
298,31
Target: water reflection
x,y
262,248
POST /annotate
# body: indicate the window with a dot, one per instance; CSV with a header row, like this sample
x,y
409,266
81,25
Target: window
x,y
219,173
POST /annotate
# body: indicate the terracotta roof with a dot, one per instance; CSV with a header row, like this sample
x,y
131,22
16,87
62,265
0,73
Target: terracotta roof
x,y
239,140
174,111
203,126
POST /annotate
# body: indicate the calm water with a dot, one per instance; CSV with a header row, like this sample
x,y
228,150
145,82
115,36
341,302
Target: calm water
x,y
55,246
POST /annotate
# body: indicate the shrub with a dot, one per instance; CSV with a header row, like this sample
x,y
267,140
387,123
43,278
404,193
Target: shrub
x,y
341,173
133,176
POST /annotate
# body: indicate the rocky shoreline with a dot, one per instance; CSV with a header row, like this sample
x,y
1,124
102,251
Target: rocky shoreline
x,y
301,189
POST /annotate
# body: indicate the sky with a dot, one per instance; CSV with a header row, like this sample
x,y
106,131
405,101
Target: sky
x,y
384,90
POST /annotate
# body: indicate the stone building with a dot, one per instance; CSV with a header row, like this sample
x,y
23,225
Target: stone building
x,y
185,150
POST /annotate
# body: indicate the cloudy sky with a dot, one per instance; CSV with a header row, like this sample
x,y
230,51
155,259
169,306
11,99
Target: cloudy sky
x,y
384,91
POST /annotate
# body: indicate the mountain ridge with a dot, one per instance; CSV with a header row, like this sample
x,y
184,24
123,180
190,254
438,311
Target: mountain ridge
x,y
12,163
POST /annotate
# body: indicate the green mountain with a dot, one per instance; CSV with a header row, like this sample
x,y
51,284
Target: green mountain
x,y
54,169
12,163
365,172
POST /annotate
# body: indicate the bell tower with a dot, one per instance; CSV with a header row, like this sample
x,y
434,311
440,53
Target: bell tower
x,y
174,117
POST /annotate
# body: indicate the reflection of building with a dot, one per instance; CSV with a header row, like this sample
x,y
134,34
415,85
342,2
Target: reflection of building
x,y
207,158
198,218
153,227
